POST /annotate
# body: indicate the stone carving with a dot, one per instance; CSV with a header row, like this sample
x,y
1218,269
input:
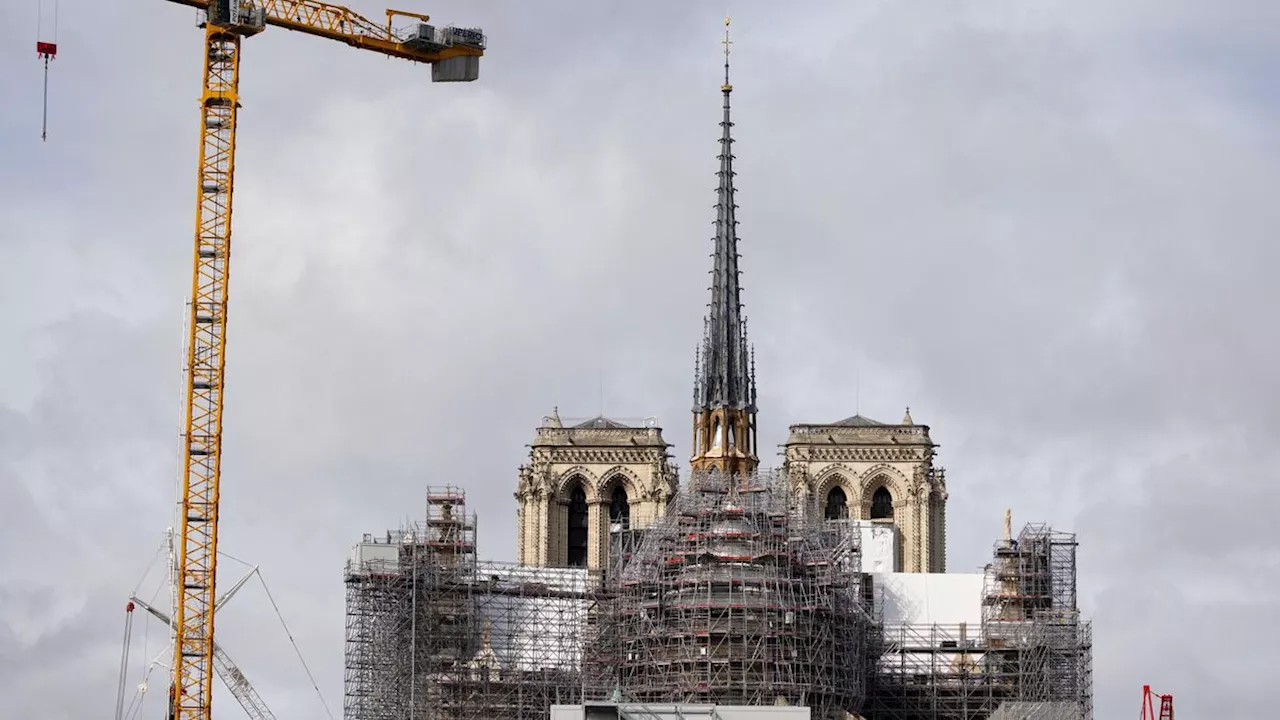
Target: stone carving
x,y
620,475
863,454
593,456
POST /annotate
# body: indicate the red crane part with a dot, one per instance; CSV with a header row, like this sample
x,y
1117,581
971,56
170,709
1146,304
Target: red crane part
x,y
46,51
1149,711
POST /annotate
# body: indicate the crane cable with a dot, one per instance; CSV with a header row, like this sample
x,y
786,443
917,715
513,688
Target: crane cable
x,y
139,695
296,649
124,660
135,704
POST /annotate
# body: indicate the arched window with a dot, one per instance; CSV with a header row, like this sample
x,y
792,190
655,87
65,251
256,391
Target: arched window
x,y
717,437
881,504
619,508
577,527
836,507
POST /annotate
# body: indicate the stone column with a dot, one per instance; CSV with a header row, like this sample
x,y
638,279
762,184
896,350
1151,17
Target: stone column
x,y
901,521
540,509
926,530
520,535
553,534
597,534
938,530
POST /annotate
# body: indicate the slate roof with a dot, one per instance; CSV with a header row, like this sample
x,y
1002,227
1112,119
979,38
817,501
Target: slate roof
x,y
858,421
603,422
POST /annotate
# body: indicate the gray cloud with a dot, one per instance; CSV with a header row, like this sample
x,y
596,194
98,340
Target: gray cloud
x,y
1046,228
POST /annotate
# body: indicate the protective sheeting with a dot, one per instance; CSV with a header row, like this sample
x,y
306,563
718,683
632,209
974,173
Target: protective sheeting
x,y
929,598
879,543
531,633
377,558
1037,711
678,712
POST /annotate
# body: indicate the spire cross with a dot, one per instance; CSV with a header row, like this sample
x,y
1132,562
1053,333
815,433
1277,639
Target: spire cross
x,y
726,42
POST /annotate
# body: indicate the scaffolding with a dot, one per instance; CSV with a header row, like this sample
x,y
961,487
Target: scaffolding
x,y
1032,646
434,634
624,541
730,599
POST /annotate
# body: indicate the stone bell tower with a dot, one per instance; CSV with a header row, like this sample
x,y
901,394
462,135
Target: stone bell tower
x,y
879,473
586,480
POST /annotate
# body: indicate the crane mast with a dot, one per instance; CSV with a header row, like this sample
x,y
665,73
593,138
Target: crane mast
x,y
206,365
227,22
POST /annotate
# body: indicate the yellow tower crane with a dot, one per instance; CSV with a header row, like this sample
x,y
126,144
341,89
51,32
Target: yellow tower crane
x,y
454,55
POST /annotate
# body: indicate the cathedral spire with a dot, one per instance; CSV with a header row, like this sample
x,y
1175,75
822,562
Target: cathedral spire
x,y
724,397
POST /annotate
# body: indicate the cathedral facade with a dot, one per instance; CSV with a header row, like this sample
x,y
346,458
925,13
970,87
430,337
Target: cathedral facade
x,y
584,481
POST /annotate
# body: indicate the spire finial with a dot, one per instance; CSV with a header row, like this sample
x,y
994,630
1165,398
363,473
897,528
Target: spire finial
x,y
727,42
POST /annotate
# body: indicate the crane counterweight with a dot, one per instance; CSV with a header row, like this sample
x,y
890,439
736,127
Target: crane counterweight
x,y
242,16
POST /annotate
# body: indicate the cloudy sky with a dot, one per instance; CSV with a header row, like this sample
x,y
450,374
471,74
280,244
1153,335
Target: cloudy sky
x,y
1046,226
